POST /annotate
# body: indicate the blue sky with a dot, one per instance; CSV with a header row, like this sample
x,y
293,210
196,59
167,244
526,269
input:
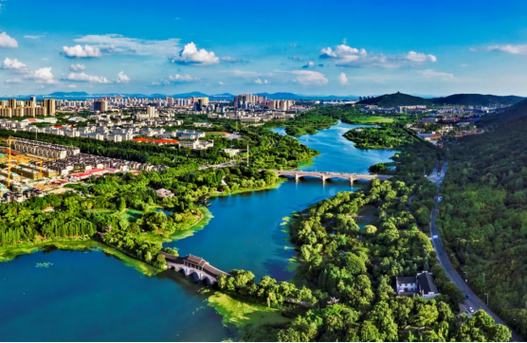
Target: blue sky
x,y
306,47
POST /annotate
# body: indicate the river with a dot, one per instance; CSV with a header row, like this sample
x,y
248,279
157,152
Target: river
x,y
91,296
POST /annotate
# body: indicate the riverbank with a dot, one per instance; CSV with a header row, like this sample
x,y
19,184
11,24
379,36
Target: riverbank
x,y
9,253
241,316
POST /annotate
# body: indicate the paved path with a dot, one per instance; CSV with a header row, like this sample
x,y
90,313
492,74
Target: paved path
x,y
475,302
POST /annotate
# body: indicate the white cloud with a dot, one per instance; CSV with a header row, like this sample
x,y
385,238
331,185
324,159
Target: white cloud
x,y
13,64
419,57
77,67
118,44
347,56
221,83
343,79
72,86
309,78
32,37
191,55
42,75
176,78
122,78
78,51
432,74
7,42
519,49
14,80
83,77
261,82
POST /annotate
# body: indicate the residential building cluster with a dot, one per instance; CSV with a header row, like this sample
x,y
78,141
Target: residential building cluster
x,y
30,108
131,104
38,166
261,102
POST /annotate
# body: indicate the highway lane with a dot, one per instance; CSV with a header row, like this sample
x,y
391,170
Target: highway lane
x,y
475,302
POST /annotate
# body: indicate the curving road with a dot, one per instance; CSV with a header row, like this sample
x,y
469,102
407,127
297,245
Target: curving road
x,y
474,302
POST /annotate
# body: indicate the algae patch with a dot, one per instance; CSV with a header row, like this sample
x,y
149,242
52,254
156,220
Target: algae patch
x,y
242,315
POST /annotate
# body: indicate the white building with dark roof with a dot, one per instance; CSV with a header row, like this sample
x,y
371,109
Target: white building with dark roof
x,y
422,284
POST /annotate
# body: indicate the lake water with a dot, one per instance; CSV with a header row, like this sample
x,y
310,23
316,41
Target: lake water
x,y
91,296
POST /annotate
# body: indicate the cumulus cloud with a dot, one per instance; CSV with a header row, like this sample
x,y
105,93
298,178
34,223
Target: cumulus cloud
x,y
176,78
118,44
13,64
309,78
347,56
14,80
77,67
83,77
420,57
122,78
261,82
79,51
343,79
520,49
42,75
7,42
432,74
191,55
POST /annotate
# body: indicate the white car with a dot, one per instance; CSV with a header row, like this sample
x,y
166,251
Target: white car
x,y
471,310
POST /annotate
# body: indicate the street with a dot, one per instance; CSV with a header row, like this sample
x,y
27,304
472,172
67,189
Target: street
x,y
474,302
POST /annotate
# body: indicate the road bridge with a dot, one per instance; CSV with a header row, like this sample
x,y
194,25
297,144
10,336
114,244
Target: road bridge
x,y
193,265
297,174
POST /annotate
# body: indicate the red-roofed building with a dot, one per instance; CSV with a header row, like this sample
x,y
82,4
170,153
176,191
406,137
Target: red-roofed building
x,y
156,141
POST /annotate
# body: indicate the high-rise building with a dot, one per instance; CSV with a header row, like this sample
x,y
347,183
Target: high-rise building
x,y
12,103
49,104
151,112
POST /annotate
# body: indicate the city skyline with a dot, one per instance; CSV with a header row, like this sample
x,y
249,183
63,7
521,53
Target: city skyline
x,y
342,48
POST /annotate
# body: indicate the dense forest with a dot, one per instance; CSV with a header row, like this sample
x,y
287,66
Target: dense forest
x,y
477,100
385,137
484,217
349,269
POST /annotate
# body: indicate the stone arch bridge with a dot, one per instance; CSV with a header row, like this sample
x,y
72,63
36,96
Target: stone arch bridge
x,y
297,174
193,265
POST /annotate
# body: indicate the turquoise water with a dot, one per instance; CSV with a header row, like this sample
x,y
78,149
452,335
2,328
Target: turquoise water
x,y
90,296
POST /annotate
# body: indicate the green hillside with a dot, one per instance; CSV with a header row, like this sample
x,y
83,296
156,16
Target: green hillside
x,y
484,217
512,113
477,100
396,99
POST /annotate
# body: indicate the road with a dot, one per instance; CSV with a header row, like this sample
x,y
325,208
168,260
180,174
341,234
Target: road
x,y
474,302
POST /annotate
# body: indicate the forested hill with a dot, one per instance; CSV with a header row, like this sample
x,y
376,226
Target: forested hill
x,y
510,114
396,99
477,100
484,217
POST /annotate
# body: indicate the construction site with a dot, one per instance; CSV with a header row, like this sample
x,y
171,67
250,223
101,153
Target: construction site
x,y
31,168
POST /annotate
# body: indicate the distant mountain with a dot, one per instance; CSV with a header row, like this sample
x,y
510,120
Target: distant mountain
x,y
292,96
514,112
69,95
477,100
188,95
396,99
